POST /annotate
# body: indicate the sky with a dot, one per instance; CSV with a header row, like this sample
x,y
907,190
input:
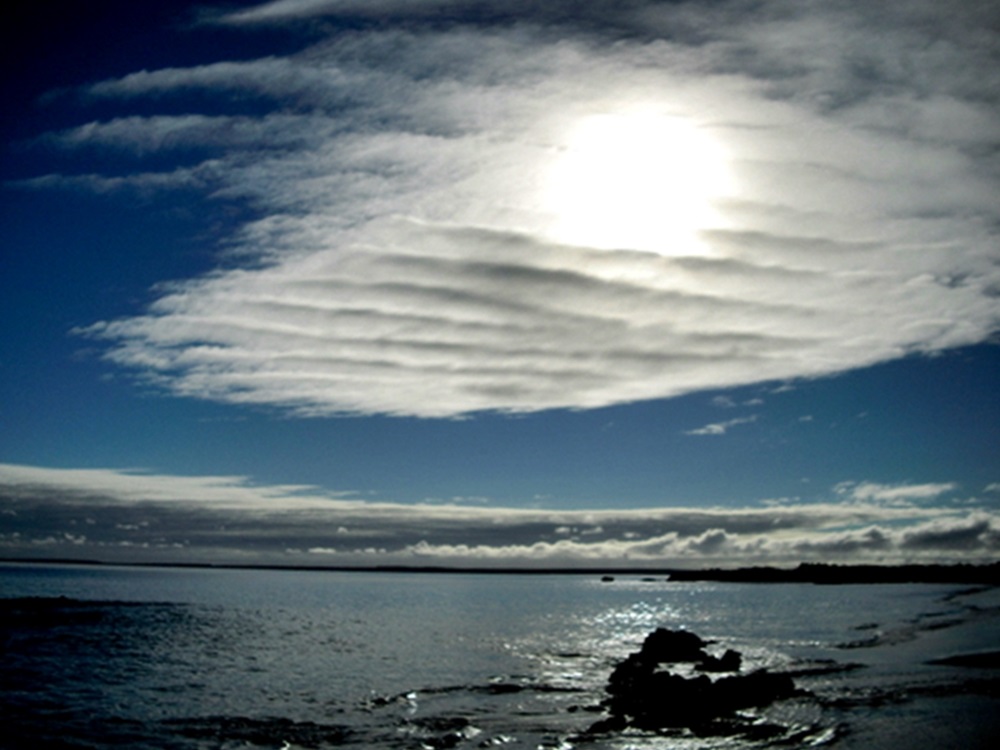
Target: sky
x,y
445,282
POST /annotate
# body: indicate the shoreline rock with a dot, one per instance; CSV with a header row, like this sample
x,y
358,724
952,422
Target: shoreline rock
x,y
643,695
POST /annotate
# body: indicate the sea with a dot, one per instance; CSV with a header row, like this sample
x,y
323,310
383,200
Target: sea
x,y
189,658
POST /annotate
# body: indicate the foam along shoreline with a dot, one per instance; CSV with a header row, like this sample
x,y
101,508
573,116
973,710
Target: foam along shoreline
x,y
964,626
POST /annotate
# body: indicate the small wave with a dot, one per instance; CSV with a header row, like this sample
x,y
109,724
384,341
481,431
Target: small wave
x,y
959,612
499,687
821,668
441,731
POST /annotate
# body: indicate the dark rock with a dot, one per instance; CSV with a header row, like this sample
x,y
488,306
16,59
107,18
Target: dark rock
x,y
666,700
644,696
614,723
667,646
630,674
749,691
503,688
730,662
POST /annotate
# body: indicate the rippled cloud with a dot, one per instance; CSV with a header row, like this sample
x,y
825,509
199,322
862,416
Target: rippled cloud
x,y
136,516
416,251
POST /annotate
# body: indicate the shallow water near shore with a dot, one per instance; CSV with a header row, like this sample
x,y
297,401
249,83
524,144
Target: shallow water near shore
x,y
192,658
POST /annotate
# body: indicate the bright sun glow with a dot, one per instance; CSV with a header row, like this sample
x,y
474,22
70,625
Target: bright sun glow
x,y
638,181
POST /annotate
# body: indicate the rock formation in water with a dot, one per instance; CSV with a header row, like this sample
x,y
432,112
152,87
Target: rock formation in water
x,y
644,695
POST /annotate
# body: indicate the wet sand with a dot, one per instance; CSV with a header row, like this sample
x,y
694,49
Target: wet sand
x,y
956,702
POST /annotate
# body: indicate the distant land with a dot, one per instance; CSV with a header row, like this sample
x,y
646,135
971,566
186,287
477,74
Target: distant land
x,y
832,574
817,573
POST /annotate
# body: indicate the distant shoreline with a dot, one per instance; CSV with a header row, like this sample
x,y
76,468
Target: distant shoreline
x,y
816,573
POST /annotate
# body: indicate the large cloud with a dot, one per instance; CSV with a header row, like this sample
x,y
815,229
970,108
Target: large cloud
x,y
406,262
135,516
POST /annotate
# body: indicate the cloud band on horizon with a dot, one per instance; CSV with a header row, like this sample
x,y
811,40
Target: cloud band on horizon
x,y
133,516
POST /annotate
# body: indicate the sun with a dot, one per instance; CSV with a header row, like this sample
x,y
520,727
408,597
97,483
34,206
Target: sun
x,y
637,181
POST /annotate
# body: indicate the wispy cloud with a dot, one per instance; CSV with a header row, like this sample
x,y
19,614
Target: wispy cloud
x,y
902,494
721,428
198,178
406,261
147,135
119,515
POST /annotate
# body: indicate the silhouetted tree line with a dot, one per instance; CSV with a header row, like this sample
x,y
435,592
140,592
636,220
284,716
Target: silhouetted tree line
x,y
826,573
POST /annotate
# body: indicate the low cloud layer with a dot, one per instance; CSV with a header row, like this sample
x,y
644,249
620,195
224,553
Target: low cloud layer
x,y
133,516
407,258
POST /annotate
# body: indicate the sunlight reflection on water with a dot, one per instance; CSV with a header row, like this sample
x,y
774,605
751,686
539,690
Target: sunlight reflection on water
x,y
211,658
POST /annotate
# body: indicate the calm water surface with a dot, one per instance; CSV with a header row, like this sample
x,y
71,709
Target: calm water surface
x,y
187,658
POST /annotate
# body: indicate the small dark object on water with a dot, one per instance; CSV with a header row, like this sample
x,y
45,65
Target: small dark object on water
x,y
607,579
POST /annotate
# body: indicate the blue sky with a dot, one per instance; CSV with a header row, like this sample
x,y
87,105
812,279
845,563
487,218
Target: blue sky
x,y
332,282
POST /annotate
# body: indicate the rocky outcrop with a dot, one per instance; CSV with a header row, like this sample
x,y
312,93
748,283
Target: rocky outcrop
x,y
645,695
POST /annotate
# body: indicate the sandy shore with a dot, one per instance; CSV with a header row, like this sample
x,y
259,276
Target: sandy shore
x,y
953,701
